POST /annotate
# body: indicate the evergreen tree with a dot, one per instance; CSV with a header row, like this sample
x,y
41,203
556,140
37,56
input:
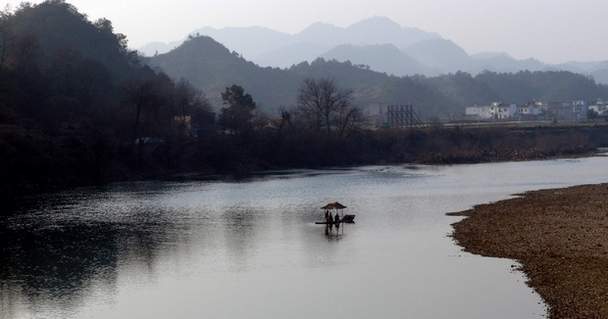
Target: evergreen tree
x,y
237,115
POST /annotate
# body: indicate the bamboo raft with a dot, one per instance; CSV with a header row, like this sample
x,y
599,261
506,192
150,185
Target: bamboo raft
x,y
347,219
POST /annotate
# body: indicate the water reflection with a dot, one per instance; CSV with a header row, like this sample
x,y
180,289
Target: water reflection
x,y
55,264
240,230
48,259
151,250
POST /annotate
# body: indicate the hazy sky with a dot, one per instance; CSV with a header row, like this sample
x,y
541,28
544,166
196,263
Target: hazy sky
x,y
552,30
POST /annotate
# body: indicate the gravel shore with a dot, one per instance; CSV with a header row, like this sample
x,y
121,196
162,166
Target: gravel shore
x,y
559,236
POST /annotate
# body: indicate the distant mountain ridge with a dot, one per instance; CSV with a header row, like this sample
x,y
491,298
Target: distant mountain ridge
x,y
212,67
267,47
393,61
422,52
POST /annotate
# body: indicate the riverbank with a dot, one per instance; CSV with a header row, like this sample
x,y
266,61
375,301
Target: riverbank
x,y
35,162
559,236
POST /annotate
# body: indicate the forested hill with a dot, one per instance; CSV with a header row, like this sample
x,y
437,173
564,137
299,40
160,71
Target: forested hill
x,y
59,69
55,29
74,99
211,67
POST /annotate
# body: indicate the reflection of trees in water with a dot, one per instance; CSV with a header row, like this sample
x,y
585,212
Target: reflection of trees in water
x,y
58,264
241,226
59,260
9,299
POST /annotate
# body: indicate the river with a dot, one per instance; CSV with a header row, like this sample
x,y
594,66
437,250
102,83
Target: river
x,y
250,249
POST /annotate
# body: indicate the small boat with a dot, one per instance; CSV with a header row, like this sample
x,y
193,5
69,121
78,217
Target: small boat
x,y
347,219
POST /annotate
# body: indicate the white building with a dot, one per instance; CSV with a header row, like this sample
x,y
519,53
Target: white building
x,y
493,112
575,111
479,112
532,109
600,107
502,111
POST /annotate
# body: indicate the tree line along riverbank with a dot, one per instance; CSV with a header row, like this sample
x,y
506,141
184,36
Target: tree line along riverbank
x,y
33,162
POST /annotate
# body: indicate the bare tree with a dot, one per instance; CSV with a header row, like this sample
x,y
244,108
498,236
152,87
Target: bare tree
x,y
325,107
285,118
4,34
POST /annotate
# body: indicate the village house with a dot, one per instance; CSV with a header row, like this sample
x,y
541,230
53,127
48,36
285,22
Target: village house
x,y
183,125
503,111
581,110
575,111
494,112
599,108
478,113
531,111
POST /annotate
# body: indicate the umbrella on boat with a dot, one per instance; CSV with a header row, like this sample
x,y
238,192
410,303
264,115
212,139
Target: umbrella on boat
x,y
335,205
350,219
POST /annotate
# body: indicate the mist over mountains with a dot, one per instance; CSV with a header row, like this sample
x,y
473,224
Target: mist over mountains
x,y
211,67
394,61
379,43
267,47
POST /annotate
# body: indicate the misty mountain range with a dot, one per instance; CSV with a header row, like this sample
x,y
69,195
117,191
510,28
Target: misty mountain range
x,y
211,67
379,43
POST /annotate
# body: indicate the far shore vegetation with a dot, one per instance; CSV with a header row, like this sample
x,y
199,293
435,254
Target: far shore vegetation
x,y
77,107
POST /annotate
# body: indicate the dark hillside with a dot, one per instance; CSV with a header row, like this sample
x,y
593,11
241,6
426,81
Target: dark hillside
x,y
548,86
211,67
56,28
74,100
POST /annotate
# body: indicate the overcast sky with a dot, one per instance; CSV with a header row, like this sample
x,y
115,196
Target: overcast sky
x,y
551,30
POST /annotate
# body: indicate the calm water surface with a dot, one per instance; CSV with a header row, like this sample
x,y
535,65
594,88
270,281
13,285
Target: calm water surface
x,y
250,249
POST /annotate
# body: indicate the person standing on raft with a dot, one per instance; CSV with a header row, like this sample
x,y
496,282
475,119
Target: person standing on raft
x,y
337,220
